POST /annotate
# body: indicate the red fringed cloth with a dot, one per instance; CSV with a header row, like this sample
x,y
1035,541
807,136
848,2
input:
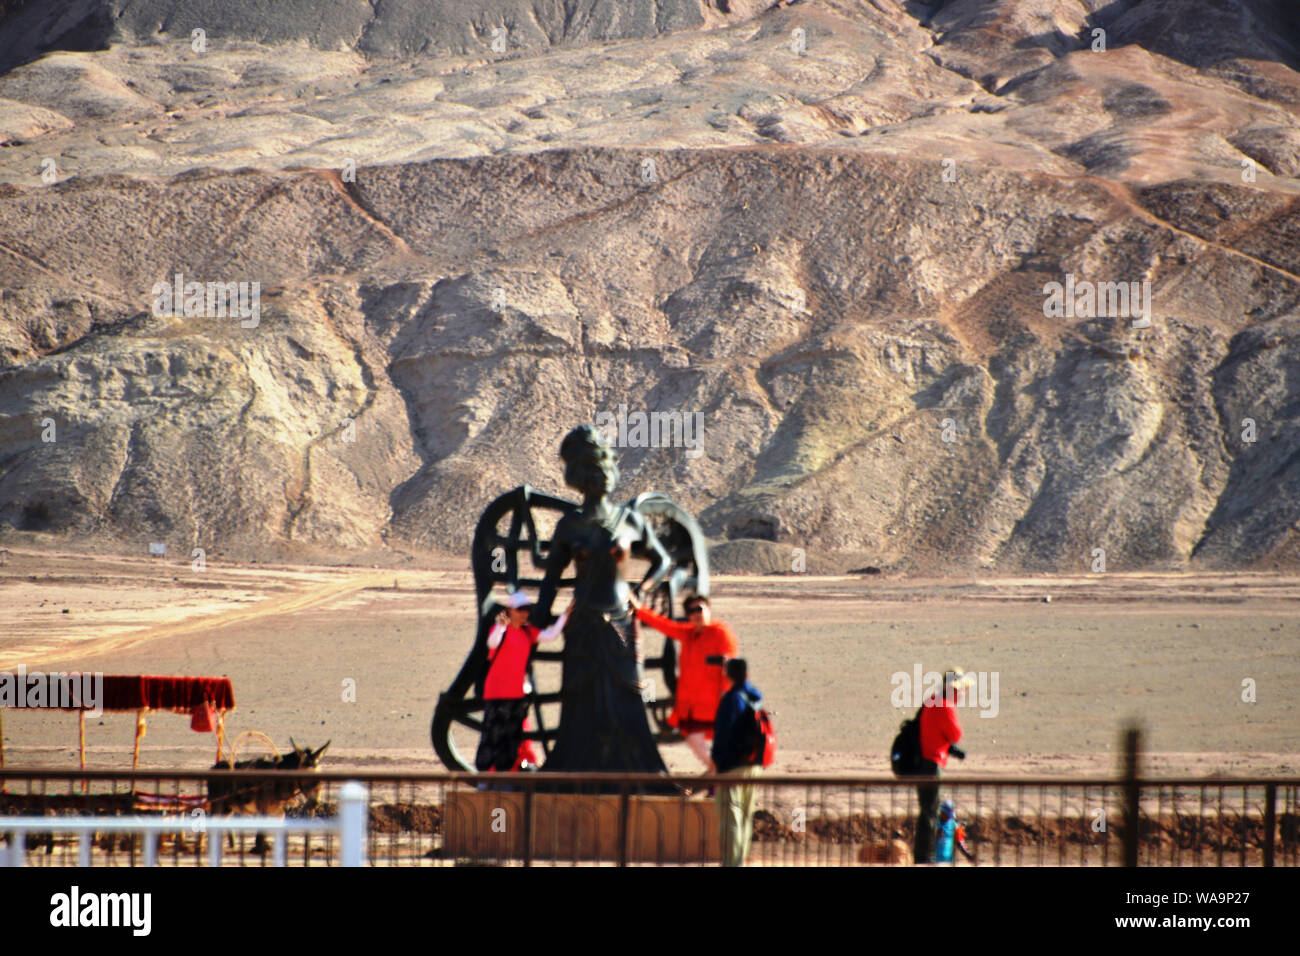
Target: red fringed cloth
x,y
181,695
203,698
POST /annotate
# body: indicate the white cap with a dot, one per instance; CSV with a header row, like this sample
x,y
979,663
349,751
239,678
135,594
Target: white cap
x,y
518,599
956,677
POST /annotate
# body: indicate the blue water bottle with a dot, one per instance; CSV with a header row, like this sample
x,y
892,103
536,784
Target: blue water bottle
x,y
947,832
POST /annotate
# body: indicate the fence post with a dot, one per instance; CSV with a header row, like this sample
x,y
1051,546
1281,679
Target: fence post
x,y
352,823
1132,795
1270,821
15,854
528,822
623,823
214,846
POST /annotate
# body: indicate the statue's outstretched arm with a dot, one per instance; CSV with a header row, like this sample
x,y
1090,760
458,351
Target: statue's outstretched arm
x,y
557,560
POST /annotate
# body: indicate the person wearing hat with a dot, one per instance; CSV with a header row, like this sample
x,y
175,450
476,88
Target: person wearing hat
x,y
952,835
940,732
735,802
505,689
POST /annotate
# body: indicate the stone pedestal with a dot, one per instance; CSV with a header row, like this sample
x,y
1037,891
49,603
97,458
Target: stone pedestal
x,y
489,824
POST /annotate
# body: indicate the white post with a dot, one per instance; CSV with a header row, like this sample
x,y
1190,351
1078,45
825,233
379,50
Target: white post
x,y
281,840
353,809
215,839
16,851
150,847
83,847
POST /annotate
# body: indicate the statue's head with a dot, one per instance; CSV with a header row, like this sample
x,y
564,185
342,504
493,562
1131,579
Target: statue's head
x,y
590,465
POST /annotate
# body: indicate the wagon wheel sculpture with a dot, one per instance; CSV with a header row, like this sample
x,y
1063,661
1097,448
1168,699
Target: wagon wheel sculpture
x,y
502,557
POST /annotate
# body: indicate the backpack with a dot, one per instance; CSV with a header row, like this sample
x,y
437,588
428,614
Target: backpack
x,y
905,753
757,737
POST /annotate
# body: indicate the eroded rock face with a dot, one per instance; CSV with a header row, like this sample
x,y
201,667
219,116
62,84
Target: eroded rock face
x,y
395,28
850,301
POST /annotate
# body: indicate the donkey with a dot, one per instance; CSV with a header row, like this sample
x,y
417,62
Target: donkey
x,y
265,798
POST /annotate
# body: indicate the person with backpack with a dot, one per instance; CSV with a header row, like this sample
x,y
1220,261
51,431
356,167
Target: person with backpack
x,y
739,751
939,732
505,688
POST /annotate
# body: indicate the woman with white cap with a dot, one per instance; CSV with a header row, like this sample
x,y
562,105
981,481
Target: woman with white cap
x,y
505,689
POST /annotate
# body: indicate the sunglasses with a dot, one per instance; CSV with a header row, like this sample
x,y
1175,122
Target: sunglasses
x,y
694,608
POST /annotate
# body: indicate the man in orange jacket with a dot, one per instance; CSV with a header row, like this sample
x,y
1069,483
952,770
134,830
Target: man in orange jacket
x,y
700,685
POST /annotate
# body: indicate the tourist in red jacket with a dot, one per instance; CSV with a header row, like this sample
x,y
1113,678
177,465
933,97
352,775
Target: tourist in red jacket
x,y
700,685
505,688
940,732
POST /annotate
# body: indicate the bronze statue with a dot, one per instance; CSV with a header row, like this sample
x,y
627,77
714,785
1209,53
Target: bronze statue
x,y
606,717
603,722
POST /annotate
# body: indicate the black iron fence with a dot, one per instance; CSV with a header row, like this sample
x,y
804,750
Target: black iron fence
x,y
447,819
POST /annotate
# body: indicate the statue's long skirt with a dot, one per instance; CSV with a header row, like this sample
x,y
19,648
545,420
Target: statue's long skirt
x,y
603,720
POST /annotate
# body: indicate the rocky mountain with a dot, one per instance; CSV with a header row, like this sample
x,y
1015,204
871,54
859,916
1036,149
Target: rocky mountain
x,y
973,284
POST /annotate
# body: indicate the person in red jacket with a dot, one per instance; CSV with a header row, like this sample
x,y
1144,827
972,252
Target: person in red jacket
x,y
940,732
505,688
700,685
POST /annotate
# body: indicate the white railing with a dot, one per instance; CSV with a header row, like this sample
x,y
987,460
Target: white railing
x,y
350,826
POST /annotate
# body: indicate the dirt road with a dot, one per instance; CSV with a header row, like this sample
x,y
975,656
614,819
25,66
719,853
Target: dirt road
x,y
1182,654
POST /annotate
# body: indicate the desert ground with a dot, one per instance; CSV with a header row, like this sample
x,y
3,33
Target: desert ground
x,y
1172,651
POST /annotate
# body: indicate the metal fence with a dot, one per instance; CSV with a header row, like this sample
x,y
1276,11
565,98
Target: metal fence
x,y
349,825
446,819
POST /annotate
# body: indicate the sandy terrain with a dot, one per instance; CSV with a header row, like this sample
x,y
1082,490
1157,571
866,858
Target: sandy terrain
x,y
1171,650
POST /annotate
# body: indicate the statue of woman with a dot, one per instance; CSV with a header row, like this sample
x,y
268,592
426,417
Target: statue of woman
x,y
603,723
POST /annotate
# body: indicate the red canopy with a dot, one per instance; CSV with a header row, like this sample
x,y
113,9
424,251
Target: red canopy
x,y
84,691
200,697
182,695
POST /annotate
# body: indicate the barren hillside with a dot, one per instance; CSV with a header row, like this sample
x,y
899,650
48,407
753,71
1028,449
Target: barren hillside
x,y
826,231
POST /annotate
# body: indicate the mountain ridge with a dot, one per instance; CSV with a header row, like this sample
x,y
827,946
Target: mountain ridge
x,y
839,259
